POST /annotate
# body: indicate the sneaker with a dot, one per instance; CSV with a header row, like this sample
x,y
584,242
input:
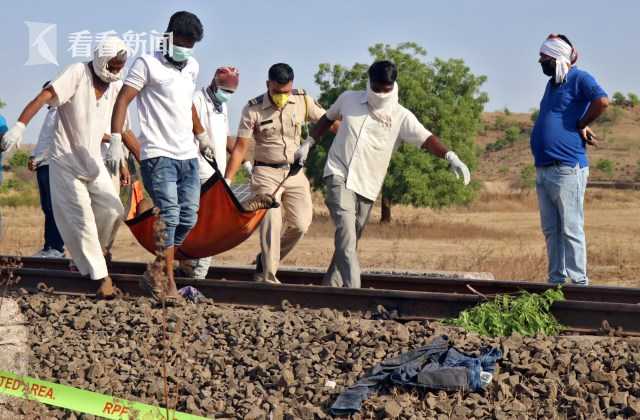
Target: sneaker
x,y
49,253
40,254
54,253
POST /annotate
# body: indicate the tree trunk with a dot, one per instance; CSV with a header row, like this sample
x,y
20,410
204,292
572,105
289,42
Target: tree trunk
x,y
385,209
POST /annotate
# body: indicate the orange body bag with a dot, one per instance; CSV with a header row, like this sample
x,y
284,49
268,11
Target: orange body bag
x,y
222,221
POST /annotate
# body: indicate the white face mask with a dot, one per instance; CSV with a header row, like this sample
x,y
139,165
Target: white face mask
x,y
103,72
107,50
381,104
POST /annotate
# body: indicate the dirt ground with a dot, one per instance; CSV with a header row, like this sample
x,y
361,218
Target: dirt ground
x,y
499,233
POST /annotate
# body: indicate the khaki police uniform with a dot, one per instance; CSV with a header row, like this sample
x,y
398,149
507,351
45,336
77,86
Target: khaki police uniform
x,y
277,135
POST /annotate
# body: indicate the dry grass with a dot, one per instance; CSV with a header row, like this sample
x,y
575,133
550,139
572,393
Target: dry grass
x,y
499,233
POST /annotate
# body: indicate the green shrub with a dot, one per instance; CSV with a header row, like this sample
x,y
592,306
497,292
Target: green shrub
x,y
500,123
507,111
528,177
633,99
528,314
511,135
19,159
606,166
535,112
619,99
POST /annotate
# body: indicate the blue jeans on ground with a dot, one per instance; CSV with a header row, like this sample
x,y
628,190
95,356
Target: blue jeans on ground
x,y
561,199
52,238
174,187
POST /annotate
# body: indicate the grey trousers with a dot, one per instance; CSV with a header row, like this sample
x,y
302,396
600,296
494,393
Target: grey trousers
x,y
350,213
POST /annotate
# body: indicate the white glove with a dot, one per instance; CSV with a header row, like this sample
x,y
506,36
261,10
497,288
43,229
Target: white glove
x,y
301,155
114,153
458,167
13,137
248,167
206,145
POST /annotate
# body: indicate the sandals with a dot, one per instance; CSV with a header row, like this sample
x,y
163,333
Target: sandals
x,y
107,290
155,292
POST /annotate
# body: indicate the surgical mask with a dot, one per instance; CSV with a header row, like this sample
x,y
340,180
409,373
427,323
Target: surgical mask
x,y
549,67
181,54
280,99
222,96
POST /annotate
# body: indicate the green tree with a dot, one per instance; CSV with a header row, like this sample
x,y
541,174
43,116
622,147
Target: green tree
x,y
444,95
633,99
619,99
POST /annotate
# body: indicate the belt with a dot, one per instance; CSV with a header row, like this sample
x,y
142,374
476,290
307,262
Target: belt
x,y
272,165
552,163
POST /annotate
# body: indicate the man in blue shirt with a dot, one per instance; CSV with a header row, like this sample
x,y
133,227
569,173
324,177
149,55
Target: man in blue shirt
x,y
572,100
3,129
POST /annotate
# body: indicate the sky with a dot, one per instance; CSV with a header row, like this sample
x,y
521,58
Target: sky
x,y
496,38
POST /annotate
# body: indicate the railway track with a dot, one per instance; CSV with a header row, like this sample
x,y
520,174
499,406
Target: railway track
x,y
386,281
584,309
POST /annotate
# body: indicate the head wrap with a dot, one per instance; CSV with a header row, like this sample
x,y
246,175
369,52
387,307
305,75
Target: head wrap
x,y
227,78
564,54
107,49
381,105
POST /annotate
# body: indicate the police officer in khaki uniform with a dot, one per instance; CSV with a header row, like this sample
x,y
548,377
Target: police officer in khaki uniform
x,y
277,120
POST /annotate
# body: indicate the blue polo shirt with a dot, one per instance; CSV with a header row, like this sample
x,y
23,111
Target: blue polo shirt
x,y
555,136
3,129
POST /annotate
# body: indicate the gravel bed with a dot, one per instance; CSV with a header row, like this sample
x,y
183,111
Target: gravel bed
x,y
274,363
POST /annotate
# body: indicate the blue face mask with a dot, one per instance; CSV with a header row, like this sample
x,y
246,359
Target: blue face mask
x,y
181,54
222,96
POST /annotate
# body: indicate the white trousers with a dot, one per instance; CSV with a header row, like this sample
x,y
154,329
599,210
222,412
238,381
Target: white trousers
x,y
88,215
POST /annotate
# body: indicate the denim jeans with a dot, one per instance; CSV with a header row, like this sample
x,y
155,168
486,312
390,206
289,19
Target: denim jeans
x,y
434,366
52,238
174,187
561,200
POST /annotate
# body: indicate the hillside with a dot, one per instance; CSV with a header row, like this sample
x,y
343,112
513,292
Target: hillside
x,y
617,157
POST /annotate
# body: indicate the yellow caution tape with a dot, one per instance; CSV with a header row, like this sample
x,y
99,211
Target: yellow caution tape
x,y
82,401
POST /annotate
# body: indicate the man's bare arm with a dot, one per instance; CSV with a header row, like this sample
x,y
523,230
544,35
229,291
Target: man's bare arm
x,y
131,142
126,95
323,125
596,108
231,142
197,125
32,108
434,146
237,156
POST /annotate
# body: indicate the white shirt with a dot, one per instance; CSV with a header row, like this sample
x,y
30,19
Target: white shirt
x,y
362,148
164,106
217,126
45,139
81,121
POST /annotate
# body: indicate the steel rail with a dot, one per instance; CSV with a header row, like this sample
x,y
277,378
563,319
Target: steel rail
x,y
411,304
386,281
